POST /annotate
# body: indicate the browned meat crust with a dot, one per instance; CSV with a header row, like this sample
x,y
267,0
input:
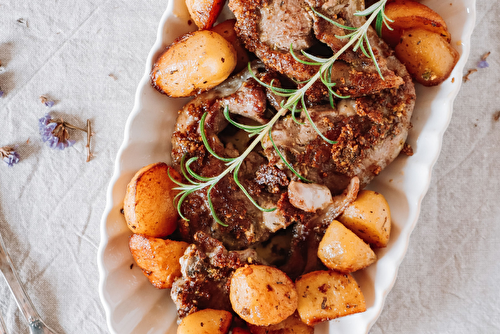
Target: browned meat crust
x,y
271,177
354,73
206,271
249,15
370,132
245,227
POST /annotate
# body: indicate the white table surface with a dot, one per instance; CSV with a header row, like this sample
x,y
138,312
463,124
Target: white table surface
x,y
52,201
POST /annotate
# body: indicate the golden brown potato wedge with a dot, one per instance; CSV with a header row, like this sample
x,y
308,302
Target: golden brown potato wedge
x,y
205,12
262,295
327,295
193,63
428,57
158,258
226,30
369,217
206,321
344,251
411,15
291,325
149,202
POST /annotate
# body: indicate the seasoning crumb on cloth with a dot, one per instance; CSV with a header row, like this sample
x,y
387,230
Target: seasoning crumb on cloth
x,y
23,21
496,116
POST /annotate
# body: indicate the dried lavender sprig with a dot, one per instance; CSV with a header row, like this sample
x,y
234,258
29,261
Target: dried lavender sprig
x,y
9,155
55,133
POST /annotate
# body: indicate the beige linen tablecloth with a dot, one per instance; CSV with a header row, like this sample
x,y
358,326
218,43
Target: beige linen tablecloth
x,y
88,56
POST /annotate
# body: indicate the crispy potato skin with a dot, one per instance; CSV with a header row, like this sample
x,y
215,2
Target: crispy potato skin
x,y
206,321
291,325
428,57
342,250
204,12
149,202
369,217
226,30
327,295
193,63
158,258
262,295
408,15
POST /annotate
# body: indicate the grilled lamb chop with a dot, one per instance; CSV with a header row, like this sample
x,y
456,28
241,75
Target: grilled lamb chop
x,y
354,73
370,132
246,223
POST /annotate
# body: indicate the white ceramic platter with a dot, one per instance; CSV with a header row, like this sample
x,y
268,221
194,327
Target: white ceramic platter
x,y
133,305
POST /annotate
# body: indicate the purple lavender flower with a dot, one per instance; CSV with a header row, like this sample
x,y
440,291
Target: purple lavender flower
x,y
9,156
1,92
54,133
48,103
483,64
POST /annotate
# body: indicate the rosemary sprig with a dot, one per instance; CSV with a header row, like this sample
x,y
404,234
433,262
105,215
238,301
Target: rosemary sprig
x,y
357,39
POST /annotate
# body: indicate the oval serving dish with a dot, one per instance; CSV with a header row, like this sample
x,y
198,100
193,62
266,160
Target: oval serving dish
x,y
133,305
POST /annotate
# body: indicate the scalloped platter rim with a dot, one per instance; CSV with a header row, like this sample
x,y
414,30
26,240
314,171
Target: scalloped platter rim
x,y
132,305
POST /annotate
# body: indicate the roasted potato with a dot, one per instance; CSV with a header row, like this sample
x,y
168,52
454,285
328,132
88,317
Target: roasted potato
x,y
408,14
226,30
204,12
327,295
193,63
158,258
428,57
342,250
149,202
369,217
262,295
206,321
291,325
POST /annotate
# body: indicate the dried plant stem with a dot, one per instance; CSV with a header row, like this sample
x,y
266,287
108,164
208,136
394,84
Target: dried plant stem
x,y
89,136
88,130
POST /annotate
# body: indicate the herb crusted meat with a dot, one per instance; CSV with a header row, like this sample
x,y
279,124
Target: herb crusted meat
x,y
369,129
